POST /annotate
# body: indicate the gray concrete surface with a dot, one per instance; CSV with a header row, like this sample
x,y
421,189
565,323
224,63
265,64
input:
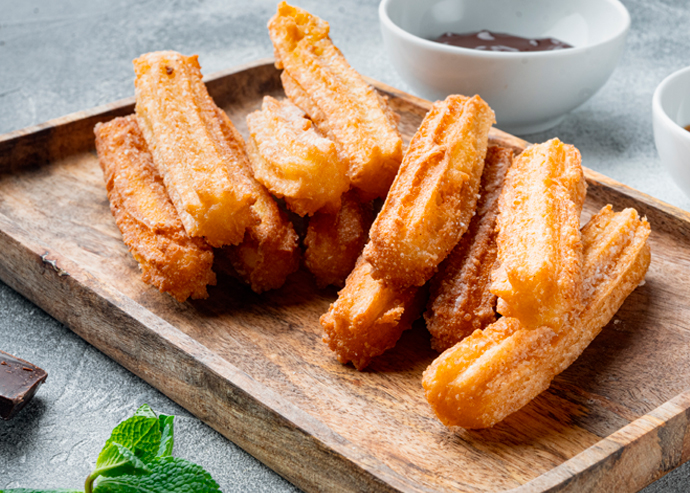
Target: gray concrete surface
x,y
58,57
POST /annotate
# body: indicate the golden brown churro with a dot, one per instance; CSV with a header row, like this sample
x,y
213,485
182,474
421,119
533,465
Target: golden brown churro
x,y
169,258
334,241
460,301
434,195
369,316
293,160
497,371
538,277
319,80
270,250
202,170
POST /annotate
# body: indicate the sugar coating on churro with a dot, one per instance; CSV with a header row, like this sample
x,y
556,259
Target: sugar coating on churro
x,y
497,371
168,257
460,301
291,158
538,277
202,168
351,112
434,195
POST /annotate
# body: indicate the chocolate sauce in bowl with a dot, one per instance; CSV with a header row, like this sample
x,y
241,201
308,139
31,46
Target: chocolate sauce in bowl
x,y
491,41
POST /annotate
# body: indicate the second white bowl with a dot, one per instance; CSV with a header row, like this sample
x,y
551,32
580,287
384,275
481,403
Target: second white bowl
x,y
670,114
529,92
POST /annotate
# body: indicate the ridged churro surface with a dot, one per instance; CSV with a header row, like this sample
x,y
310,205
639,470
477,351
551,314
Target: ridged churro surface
x,y
460,301
169,258
291,158
369,316
497,371
433,198
350,111
538,275
202,170
335,240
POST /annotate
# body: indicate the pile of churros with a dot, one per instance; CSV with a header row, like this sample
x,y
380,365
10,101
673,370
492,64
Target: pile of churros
x,y
485,245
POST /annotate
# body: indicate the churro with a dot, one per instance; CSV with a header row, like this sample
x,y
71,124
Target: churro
x,y
349,111
369,316
211,190
168,257
495,372
460,301
538,277
270,250
334,241
434,195
293,160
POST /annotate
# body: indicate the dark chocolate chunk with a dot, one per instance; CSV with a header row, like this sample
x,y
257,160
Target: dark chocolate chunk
x,y
19,381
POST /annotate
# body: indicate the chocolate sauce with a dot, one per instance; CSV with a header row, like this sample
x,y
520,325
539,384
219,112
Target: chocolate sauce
x,y
687,127
490,41
19,381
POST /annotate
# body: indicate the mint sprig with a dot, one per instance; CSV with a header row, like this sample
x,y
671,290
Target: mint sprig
x,y
168,475
137,457
140,434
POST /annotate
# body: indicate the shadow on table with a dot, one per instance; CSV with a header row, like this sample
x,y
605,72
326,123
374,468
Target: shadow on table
x,y
17,435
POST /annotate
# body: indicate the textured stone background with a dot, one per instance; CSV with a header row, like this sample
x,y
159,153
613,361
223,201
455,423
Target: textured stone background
x,y
58,57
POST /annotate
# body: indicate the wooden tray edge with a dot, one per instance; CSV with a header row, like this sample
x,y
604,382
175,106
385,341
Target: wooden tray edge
x,y
627,460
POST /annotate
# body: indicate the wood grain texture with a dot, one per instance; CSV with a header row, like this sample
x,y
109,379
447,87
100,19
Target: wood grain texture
x,y
254,367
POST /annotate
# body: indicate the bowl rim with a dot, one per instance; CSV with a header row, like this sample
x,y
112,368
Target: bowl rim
x,y
658,109
385,19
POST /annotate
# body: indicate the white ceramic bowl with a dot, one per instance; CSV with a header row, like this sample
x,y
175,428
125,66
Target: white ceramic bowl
x,y
670,114
529,91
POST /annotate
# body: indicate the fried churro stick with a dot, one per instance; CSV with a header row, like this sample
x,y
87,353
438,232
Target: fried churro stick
x,y
293,160
434,195
203,175
538,277
497,371
369,316
168,257
270,250
460,301
337,99
334,241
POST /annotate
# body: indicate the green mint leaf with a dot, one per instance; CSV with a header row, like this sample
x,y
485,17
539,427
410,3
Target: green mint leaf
x,y
29,490
166,428
140,434
145,411
168,475
116,459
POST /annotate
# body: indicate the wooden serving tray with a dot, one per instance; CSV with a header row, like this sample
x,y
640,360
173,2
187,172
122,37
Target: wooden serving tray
x,y
255,369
